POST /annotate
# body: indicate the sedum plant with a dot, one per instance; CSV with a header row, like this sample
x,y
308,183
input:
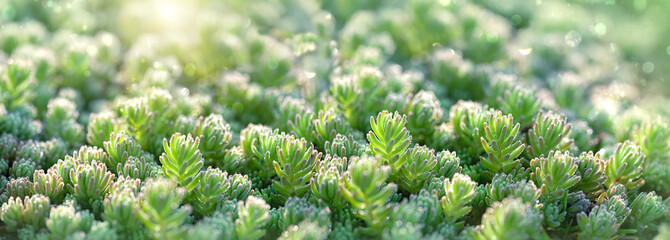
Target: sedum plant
x,y
447,165
90,183
363,186
600,223
100,127
343,146
294,166
510,218
214,134
30,211
325,184
49,184
625,166
459,191
120,211
182,160
120,147
549,132
158,207
64,221
555,174
501,143
390,139
420,160
252,217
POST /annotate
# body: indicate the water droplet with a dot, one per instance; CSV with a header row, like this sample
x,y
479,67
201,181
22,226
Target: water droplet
x,y
525,51
600,29
310,74
436,44
573,38
648,67
329,17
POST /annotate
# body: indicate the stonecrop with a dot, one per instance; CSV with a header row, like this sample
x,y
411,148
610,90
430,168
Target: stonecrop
x,y
347,119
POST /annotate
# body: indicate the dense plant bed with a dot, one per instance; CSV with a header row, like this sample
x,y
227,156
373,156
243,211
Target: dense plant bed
x,y
304,119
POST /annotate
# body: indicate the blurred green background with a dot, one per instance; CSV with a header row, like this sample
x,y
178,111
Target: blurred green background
x,y
627,42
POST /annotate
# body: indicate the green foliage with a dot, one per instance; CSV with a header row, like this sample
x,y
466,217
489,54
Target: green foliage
x,y
120,147
600,223
16,85
234,160
20,187
343,146
90,183
64,221
21,126
501,143
158,207
264,150
297,210
214,134
555,174
212,183
49,184
327,125
305,230
252,217
625,166
28,211
549,132
646,210
419,162
390,139
504,185
325,183
363,186
519,102
139,168
591,168
447,165
22,168
459,193
100,127
294,166
182,160
61,121
510,218
467,120
423,114
120,211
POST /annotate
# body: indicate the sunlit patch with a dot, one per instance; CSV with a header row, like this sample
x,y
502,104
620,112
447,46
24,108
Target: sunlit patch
x,y
600,29
525,51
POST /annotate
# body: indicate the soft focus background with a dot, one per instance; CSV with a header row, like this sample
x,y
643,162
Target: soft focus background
x,y
616,51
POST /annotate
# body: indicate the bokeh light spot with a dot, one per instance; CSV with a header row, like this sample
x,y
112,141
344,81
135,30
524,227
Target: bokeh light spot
x,y
573,38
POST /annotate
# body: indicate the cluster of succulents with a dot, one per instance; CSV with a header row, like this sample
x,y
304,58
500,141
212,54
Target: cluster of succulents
x,y
310,119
